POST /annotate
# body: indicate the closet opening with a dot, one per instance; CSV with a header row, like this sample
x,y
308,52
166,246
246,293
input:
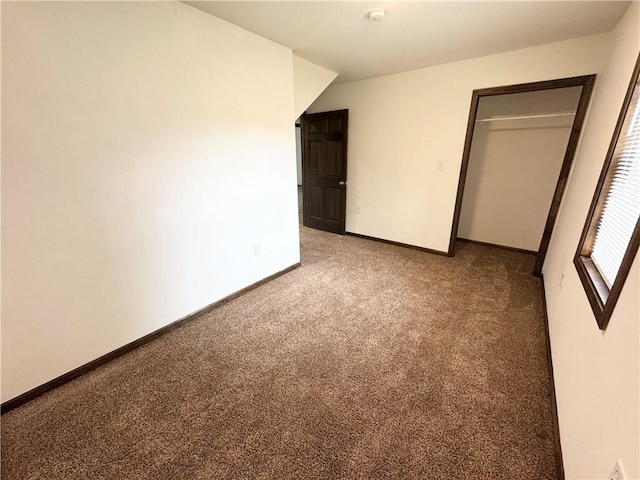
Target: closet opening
x,y
519,148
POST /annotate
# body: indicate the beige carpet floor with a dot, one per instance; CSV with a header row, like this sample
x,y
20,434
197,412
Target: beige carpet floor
x,y
370,361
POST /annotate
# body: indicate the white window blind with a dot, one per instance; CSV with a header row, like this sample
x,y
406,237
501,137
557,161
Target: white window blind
x,y
622,205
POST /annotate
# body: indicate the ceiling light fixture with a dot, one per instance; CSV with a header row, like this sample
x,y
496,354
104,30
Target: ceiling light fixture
x,y
376,15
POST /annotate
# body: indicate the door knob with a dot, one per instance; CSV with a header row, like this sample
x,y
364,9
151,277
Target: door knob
x,y
342,183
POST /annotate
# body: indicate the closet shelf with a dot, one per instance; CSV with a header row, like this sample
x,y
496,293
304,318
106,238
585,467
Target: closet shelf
x,y
524,117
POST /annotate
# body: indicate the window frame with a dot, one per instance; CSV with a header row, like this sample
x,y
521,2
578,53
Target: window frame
x,y
602,298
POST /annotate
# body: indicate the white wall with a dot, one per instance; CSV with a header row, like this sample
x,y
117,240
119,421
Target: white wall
x,y
309,81
597,374
148,146
514,166
401,126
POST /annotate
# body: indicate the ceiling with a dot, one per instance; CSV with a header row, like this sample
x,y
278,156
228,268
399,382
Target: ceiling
x,y
414,34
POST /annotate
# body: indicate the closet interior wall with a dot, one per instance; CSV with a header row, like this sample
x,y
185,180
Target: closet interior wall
x,y
519,143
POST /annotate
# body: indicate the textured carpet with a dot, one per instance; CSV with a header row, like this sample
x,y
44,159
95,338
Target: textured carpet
x,y
370,361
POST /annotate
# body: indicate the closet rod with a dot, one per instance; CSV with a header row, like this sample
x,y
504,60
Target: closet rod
x,y
522,117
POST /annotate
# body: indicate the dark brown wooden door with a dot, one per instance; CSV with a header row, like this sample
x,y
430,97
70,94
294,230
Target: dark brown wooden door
x,y
324,170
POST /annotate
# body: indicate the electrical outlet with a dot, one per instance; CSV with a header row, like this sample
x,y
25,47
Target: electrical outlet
x,y
257,250
617,473
358,209
440,166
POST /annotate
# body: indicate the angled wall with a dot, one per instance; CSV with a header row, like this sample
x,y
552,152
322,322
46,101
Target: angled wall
x,y
309,81
142,161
